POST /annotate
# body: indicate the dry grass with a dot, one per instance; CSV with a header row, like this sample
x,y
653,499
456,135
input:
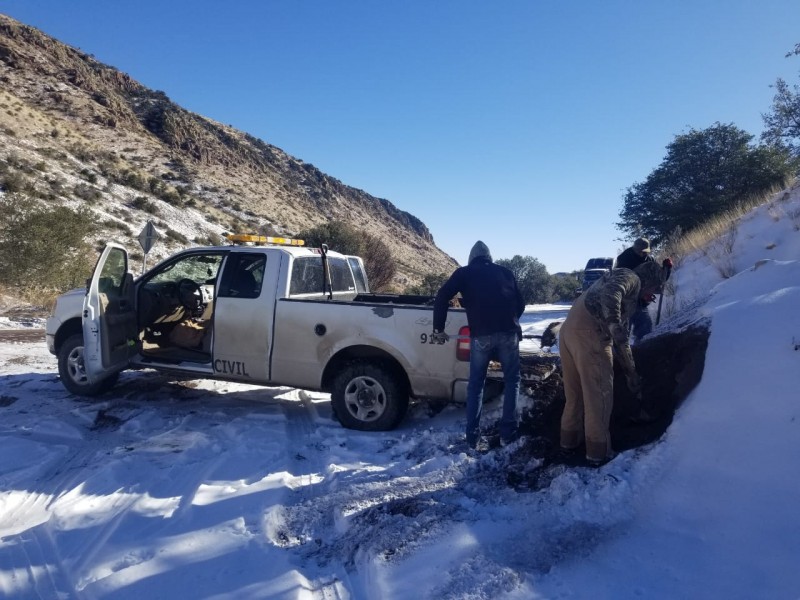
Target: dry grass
x,y
698,239
716,237
33,301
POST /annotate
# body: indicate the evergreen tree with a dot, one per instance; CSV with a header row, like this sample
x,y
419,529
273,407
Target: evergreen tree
x,y
429,286
782,123
533,280
704,173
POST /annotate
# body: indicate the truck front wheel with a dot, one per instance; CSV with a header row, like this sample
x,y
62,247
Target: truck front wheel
x,y
73,373
369,397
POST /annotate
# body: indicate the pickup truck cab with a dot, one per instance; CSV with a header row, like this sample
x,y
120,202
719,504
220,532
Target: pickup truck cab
x,y
271,315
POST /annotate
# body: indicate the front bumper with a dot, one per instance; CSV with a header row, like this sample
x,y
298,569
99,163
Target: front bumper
x,y
51,343
50,329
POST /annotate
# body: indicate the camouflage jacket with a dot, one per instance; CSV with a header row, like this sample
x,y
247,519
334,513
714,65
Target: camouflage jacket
x,y
613,299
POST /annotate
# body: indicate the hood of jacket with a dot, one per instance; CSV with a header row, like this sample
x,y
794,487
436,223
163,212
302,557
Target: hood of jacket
x,y
479,250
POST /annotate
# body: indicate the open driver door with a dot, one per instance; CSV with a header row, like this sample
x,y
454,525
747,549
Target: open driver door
x,y
109,316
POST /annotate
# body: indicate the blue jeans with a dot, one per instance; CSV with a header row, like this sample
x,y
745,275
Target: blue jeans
x,y
503,347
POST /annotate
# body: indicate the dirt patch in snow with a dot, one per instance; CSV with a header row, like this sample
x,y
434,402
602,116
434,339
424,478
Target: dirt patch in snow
x,y
670,365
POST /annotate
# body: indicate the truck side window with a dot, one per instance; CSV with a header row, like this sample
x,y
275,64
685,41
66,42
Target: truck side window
x,y
358,273
341,277
243,276
113,273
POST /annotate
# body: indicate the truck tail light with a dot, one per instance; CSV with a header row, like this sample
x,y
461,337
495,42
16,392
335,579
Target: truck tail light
x,y
462,344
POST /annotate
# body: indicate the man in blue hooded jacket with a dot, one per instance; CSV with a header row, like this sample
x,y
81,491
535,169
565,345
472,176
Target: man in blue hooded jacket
x,y
494,304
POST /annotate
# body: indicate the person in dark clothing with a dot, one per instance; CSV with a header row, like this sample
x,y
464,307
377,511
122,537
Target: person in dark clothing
x,y
634,256
639,253
494,304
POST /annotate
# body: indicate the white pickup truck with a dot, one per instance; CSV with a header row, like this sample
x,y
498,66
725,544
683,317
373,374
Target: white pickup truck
x,y
270,315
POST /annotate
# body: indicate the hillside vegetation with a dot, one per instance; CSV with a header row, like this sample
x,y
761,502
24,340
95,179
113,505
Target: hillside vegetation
x,y
80,134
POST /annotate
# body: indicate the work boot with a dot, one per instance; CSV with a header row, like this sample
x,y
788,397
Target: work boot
x,y
566,452
480,446
599,462
572,457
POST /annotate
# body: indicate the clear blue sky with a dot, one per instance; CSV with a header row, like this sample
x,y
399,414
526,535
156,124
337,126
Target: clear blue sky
x,y
520,123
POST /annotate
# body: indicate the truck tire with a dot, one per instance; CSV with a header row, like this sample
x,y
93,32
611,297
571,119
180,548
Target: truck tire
x,y
72,372
369,396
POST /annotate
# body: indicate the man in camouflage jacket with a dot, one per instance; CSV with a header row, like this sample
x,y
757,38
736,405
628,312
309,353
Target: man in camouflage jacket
x,y
597,320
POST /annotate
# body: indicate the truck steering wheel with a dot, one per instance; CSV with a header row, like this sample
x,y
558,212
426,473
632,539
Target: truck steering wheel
x,y
190,297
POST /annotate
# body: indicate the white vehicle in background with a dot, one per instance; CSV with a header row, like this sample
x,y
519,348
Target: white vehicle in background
x,y
276,314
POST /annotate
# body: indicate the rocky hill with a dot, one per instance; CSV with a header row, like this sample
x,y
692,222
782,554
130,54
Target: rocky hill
x,y
77,131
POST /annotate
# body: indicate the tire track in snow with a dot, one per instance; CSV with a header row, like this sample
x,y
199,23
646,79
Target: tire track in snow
x,y
49,574
179,479
313,459
47,580
94,460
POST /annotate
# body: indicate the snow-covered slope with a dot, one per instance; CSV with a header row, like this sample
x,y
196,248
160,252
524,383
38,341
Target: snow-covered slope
x,y
216,490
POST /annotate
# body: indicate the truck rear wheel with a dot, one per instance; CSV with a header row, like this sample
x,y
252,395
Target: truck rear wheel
x,y
73,373
369,396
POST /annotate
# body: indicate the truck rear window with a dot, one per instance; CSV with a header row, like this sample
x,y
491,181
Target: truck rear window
x,y
307,276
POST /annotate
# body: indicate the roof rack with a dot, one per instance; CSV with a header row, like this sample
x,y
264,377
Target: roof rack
x,y
251,238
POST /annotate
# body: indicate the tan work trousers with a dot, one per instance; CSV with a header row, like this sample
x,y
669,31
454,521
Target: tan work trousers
x,y
588,370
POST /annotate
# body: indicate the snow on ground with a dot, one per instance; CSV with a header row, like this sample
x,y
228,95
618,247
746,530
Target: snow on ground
x,y
209,489
199,489
22,323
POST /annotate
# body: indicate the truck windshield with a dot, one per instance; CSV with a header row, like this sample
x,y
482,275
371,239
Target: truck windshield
x,y
307,276
197,267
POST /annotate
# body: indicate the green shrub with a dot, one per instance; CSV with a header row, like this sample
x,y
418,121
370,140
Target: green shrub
x,y
170,196
177,236
81,152
87,192
429,286
56,185
89,176
148,206
43,247
210,239
114,224
13,182
155,185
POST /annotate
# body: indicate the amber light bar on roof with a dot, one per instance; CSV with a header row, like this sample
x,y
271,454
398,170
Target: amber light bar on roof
x,y
250,238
